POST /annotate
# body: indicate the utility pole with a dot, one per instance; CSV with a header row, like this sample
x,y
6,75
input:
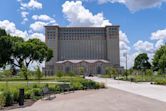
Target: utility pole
x,y
126,61
125,54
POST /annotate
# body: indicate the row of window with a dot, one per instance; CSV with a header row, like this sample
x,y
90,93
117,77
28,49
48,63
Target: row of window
x,y
82,30
81,38
77,38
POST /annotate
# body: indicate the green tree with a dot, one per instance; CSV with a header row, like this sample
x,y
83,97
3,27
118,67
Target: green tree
x,y
25,53
38,73
114,72
7,74
71,73
2,32
149,72
159,59
17,52
108,71
59,74
141,62
24,72
130,71
6,50
81,70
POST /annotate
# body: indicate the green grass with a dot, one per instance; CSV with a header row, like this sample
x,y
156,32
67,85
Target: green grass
x,y
17,78
156,79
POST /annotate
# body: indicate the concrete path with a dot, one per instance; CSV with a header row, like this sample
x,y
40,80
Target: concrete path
x,y
33,82
97,100
157,92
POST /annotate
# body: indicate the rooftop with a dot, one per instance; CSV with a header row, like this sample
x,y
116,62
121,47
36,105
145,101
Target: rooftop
x,y
78,61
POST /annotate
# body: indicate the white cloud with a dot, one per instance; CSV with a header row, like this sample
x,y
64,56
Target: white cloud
x,y
159,43
32,4
112,1
24,15
38,35
144,46
124,49
24,7
123,37
135,5
78,15
158,35
44,18
11,29
38,26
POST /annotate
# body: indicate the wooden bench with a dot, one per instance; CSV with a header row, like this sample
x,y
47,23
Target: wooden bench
x,y
47,92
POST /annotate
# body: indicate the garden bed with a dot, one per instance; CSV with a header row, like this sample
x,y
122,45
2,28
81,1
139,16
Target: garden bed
x,y
10,91
27,102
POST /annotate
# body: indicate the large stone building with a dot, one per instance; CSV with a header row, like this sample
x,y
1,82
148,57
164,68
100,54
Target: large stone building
x,y
92,48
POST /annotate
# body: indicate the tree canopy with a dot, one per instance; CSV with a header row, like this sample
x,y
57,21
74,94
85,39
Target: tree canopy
x,y
6,50
141,62
29,51
159,60
18,53
3,32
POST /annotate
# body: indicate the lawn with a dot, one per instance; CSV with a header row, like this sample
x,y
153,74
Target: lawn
x,y
155,79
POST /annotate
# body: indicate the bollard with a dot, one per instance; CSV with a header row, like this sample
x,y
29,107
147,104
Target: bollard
x,y
21,97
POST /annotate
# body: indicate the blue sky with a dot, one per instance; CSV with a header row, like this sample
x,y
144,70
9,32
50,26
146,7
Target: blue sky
x,y
142,22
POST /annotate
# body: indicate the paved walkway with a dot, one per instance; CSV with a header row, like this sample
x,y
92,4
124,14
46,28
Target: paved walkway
x,y
157,92
97,100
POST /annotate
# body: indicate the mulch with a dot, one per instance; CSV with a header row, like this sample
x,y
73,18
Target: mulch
x,y
27,102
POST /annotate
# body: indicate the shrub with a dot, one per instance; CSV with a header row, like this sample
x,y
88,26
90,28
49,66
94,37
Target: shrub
x,y
28,94
25,73
38,73
76,85
36,92
55,88
46,85
59,74
160,81
149,72
2,100
15,94
35,86
71,74
8,98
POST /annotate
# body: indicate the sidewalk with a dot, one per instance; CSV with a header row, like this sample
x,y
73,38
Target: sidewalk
x,y
157,92
97,100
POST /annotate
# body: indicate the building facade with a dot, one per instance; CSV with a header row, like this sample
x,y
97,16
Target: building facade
x,y
93,48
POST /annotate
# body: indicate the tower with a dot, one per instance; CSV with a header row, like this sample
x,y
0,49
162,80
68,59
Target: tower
x,y
112,38
51,36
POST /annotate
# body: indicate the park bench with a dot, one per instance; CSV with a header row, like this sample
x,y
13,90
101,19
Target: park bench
x,y
48,93
65,88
